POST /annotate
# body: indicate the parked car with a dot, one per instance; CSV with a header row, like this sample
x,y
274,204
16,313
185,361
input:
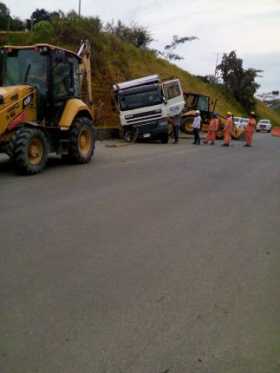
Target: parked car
x,y
240,122
237,121
264,125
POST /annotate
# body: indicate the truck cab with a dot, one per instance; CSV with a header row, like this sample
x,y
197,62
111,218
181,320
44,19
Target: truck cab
x,y
146,104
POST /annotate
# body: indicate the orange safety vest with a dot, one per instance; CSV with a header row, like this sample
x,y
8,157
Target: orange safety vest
x,y
228,126
214,125
251,125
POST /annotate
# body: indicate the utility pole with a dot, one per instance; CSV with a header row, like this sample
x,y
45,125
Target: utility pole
x,y
217,61
80,6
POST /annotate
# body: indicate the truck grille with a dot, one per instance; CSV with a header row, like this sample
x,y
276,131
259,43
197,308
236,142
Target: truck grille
x,y
143,117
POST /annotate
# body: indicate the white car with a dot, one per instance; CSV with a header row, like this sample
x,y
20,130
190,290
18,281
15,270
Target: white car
x,y
264,125
237,121
240,122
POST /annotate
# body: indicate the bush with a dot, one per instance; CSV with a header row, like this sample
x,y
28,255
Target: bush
x,y
139,36
43,32
72,28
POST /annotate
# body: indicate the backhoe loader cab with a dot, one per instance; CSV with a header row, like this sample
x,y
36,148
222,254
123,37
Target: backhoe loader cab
x,y
41,109
194,102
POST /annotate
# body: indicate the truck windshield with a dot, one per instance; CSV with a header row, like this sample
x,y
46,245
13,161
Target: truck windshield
x,y
25,66
142,97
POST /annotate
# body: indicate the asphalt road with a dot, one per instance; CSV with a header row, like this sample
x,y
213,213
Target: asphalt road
x,y
152,259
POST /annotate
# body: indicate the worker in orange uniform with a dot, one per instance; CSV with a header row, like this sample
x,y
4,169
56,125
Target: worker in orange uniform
x,y
250,129
228,129
212,130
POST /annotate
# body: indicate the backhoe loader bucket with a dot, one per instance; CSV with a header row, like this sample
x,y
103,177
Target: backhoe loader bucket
x,y
237,133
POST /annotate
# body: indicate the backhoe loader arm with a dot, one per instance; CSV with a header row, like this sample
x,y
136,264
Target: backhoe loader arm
x,y
86,83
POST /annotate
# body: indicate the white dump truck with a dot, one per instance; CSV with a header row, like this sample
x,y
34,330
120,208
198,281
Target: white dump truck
x,y
146,104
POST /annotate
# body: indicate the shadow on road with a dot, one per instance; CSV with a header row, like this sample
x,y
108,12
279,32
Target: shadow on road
x,y
7,167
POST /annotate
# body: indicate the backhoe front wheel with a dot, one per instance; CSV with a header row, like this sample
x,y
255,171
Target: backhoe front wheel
x,y
82,140
30,151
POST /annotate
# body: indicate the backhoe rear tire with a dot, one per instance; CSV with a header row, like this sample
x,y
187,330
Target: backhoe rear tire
x,y
82,140
186,125
30,151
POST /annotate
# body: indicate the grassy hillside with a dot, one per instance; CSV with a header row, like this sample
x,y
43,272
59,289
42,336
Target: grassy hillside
x,y
277,111
139,63
116,61
264,111
129,63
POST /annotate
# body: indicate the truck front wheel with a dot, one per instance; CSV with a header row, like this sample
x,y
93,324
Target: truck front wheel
x,y
30,151
164,138
129,134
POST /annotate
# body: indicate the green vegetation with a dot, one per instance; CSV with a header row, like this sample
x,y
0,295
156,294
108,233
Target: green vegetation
x,y
7,22
116,60
135,35
263,111
239,81
43,31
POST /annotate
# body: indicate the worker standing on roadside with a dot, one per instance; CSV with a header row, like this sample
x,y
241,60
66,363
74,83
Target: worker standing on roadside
x,y
176,122
228,129
250,129
212,130
196,128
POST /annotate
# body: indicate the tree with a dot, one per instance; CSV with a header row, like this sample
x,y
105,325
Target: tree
x,y
4,17
72,29
56,15
7,22
40,15
43,32
137,35
239,81
17,24
169,49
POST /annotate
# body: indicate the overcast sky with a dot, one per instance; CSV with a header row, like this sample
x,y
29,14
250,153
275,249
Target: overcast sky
x,y
251,27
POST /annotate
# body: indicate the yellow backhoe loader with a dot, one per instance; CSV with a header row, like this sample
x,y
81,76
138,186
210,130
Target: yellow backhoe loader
x,y
196,101
45,105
